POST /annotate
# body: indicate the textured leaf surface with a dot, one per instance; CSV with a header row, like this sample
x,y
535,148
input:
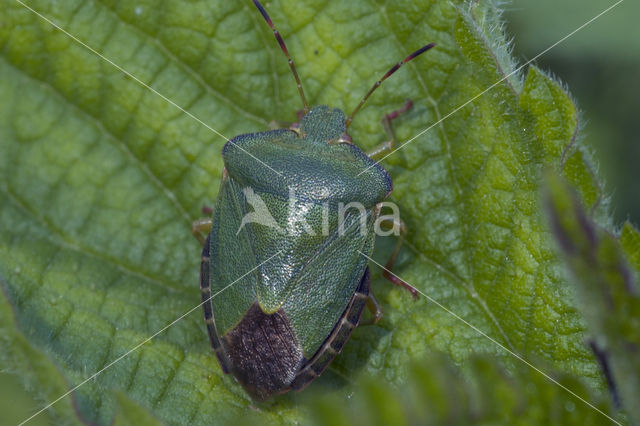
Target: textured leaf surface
x,y
439,393
100,179
607,286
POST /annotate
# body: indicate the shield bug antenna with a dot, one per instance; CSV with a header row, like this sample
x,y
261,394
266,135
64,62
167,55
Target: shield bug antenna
x,y
387,75
283,46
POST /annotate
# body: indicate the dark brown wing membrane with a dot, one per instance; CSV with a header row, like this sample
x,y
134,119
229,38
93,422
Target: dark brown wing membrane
x,y
264,351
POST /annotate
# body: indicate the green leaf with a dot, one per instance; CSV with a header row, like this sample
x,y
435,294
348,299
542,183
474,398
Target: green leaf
x,y
437,392
607,288
131,414
100,179
36,371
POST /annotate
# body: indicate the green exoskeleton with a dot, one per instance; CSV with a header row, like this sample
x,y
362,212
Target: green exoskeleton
x,y
294,251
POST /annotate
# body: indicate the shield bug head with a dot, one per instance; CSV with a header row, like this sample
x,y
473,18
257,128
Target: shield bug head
x,y
294,246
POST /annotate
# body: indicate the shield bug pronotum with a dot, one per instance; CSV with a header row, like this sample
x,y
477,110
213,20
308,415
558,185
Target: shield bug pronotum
x,y
281,324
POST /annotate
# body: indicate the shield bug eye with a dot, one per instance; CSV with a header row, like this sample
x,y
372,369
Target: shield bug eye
x,y
283,277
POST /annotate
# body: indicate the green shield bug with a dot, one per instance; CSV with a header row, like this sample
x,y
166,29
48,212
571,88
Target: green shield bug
x,y
300,291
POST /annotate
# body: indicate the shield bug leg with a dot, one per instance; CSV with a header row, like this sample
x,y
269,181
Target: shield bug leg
x,y
376,311
389,145
201,228
275,124
388,268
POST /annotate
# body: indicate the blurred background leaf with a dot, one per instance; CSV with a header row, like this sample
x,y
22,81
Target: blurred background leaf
x,y
600,65
607,287
482,393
